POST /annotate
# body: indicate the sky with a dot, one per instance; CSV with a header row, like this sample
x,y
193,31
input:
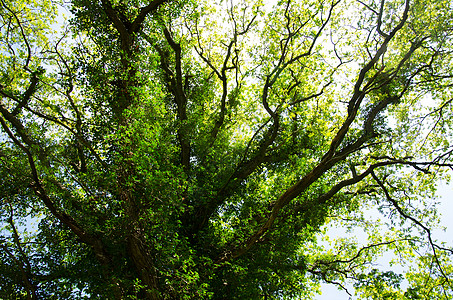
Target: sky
x,y
445,210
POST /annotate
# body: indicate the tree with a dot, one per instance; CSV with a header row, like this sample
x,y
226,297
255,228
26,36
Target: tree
x,y
185,150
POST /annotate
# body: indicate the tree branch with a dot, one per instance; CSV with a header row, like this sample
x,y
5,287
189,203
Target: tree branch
x,y
144,11
89,239
417,222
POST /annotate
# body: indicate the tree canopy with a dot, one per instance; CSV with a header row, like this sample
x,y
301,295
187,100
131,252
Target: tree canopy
x,y
202,149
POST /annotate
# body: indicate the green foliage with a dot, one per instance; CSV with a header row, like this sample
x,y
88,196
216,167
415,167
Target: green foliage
x,y
199,150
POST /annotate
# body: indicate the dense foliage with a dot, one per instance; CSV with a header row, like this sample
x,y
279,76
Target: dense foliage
x,y
203,149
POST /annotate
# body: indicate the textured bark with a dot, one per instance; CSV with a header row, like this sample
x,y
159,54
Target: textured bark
x,y
144,266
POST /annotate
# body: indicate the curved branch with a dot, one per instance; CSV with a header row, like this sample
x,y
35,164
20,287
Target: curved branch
x,y
417,222
144,11
24,263
95,243
78,136
22,32
126,37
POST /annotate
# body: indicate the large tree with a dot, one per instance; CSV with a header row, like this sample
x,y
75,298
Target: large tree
x,y
196,150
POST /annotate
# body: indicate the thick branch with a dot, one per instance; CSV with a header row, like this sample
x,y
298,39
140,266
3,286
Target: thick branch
x,y
126,38
144,11
177,89
222,76
29,92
